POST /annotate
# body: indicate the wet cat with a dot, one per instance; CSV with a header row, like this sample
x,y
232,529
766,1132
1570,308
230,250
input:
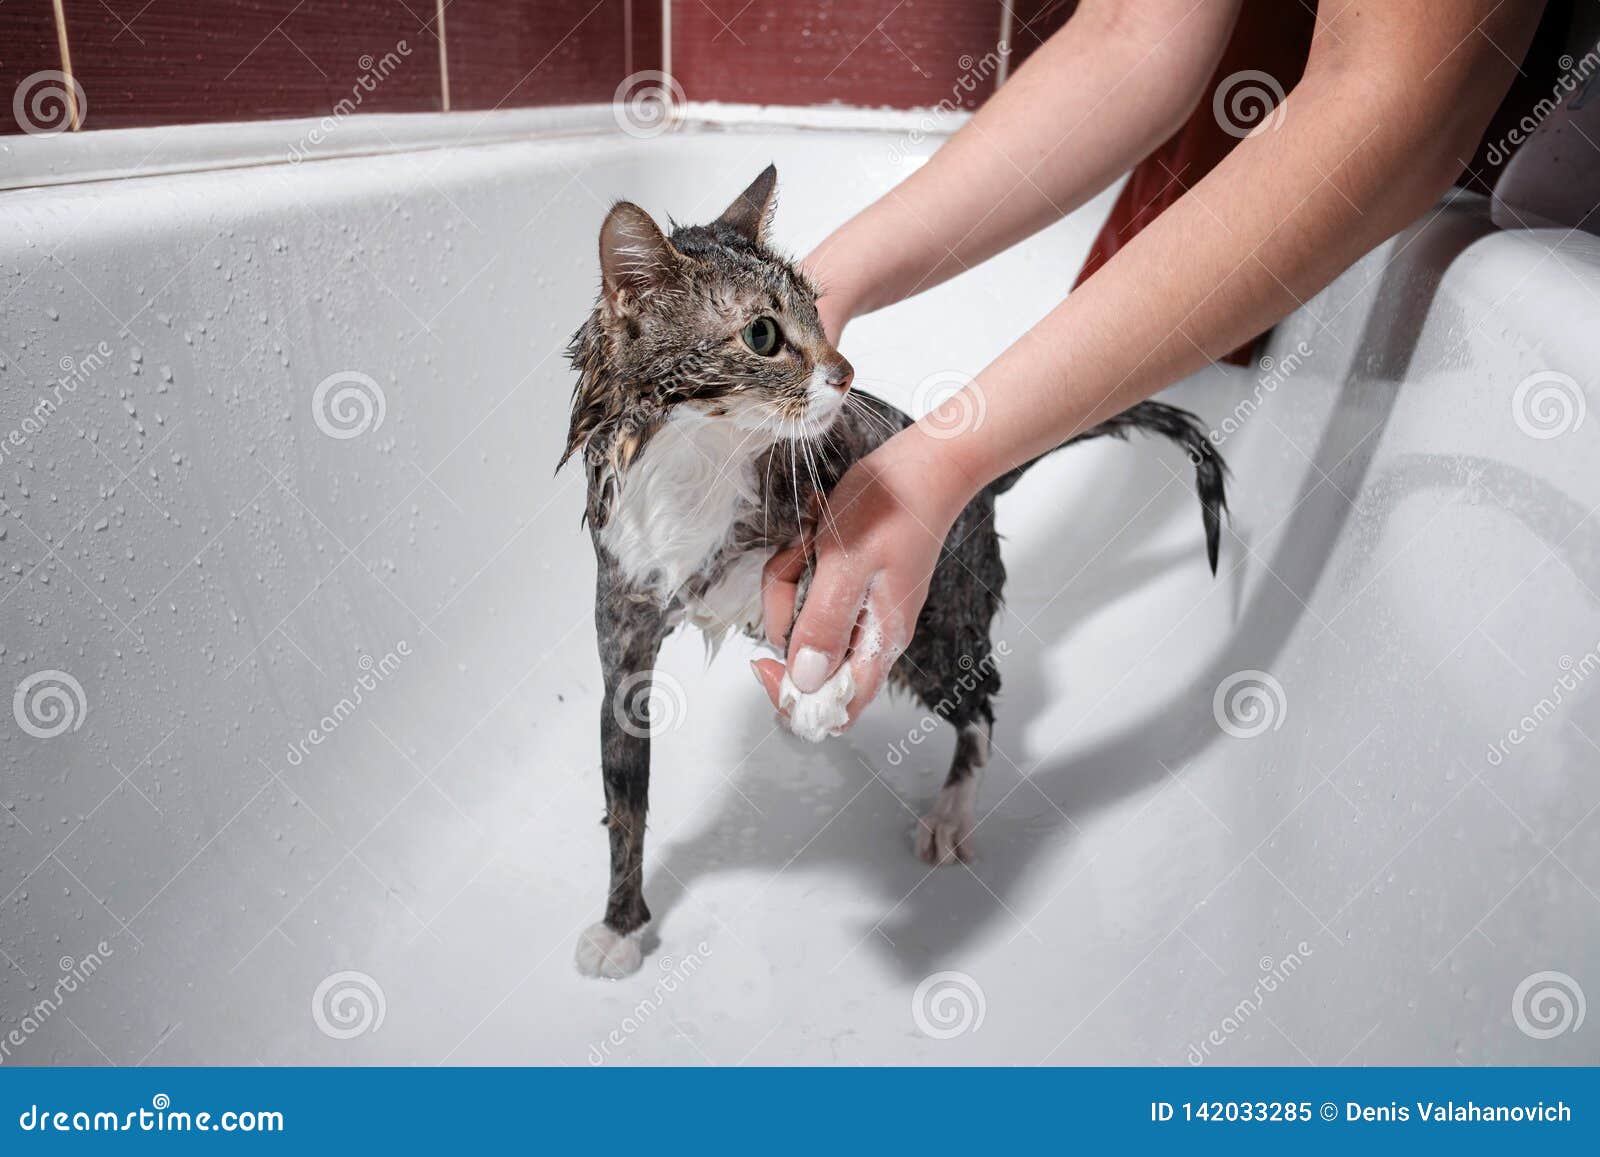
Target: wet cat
x,y
710,410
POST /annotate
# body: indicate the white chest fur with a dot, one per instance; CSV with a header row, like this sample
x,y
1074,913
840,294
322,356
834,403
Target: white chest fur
x,y
679,501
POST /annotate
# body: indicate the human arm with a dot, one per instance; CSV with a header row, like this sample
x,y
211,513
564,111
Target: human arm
x,y
1394,96
1113,83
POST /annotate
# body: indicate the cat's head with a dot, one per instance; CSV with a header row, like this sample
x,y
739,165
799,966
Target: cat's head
x,y
708,320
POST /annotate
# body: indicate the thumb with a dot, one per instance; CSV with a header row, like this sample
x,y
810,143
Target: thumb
x,y
769,673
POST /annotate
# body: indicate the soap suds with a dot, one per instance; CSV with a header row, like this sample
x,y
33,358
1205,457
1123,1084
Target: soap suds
x,y
820,714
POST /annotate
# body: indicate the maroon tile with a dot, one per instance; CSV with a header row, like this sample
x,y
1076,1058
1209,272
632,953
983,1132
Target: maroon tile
x,y
180,61
902,53
644,36
28,46
1033,22
551,52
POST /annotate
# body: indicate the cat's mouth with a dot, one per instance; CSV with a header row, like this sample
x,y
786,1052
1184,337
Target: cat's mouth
x,y
813,417
793,419
805,429
821,406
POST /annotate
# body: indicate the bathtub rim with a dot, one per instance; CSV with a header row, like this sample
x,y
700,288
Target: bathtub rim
x,y
28,162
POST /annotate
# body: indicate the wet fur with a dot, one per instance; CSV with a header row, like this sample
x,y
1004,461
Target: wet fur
x,y
660,347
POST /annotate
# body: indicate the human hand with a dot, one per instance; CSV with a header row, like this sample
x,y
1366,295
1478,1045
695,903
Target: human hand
x,y
876,543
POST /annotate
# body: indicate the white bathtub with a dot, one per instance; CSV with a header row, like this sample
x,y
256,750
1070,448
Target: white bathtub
x,y
1365,881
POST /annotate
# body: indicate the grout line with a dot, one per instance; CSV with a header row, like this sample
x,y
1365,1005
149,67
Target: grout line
x,y
444,57
1007,27
666,41
66,65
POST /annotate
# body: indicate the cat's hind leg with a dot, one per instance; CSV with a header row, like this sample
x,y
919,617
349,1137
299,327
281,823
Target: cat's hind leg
x,y
955,676
944,835
950,666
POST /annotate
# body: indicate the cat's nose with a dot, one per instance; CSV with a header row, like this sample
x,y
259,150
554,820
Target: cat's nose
x,y
841,375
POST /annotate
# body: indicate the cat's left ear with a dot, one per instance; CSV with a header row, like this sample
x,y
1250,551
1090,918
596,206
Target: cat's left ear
x,y
635,256
751,212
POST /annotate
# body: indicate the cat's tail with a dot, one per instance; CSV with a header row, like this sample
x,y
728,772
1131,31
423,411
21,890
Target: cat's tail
x,y
1183,428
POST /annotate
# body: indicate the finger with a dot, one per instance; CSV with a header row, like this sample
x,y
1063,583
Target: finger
x,y
878,642
779,584
869,670
769,673
822,632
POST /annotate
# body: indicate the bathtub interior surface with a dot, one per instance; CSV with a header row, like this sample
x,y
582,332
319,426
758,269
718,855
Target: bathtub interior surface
x,y
340,694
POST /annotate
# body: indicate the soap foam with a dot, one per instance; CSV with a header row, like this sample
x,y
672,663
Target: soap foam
x,y
820,714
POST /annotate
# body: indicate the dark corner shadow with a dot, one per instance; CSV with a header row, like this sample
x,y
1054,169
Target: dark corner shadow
x,y
928,918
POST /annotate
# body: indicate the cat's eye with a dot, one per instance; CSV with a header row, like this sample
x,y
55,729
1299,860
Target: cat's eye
x,y
763,336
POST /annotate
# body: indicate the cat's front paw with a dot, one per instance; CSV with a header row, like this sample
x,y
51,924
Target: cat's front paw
x,y
944,835
603,951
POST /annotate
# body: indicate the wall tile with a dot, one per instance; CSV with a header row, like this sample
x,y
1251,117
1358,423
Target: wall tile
x,y
644,44
27,46
901,53
550,52
179,61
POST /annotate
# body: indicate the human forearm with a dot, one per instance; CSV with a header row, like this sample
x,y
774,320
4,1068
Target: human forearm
x,y
1396,92
1355,158
1092,101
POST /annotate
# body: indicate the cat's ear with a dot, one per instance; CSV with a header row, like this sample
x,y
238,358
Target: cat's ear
x,y
635,256
751,212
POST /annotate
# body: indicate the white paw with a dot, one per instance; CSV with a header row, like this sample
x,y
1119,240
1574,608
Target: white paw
x,y
604,952
944,834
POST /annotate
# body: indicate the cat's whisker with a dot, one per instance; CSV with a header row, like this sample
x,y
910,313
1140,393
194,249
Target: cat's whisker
x,y
870,415
820,492
799,515
868,418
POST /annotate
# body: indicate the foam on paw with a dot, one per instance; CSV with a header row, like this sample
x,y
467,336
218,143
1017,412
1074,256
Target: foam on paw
x,y
943,836
602,951
820,714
